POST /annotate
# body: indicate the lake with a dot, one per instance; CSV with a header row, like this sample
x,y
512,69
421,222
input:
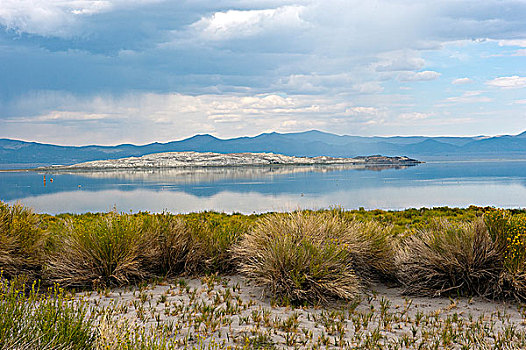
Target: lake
x,y
276,188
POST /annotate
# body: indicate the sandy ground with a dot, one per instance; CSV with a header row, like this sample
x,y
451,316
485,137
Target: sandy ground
x,y
215,312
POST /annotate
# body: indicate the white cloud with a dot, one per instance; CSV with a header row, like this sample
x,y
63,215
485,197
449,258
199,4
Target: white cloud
x,y
326,84
342,53
370,111
405,60
469,97
513,42
238,24
54,18
419,76
513,82
461,81
135,117
370,87
521,52
414,116
308,83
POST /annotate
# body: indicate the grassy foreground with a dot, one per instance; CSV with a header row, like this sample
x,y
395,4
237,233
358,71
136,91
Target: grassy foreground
x,y
300,258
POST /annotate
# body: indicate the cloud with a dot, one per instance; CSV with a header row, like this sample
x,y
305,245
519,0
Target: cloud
x,y
521,52
419,76
462,81
135,117
326,84
312,83
304,62
414,116
469,97
370,87
239,24
55,18
513,42
400,61
513,82
369,111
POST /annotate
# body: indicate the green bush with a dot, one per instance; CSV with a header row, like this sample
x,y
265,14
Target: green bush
x,y
212,237
509,233
104,250
22,242
34,320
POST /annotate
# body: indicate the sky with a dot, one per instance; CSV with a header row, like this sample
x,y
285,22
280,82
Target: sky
x,y
77,72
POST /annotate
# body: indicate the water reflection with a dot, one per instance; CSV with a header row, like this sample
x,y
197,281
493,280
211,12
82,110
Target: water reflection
x,y
217,174
276,188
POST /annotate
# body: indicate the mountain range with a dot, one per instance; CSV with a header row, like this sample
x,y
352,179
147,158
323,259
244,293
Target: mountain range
x,y
16,153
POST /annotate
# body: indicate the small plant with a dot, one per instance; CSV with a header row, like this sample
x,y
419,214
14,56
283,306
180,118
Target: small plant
x,y
509,234
33,320
22,242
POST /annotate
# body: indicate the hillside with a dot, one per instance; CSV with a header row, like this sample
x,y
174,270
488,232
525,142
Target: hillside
x,y
14,153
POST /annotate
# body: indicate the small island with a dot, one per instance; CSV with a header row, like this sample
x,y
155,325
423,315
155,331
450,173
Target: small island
x,y
210,159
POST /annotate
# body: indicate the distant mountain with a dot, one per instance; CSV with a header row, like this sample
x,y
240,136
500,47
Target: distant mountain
x,y
15,153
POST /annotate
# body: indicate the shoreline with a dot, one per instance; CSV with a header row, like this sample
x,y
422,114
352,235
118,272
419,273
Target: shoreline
x,y
429,161
237,166
220,160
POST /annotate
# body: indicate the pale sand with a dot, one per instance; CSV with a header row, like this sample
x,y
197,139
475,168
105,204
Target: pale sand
x,y
201,313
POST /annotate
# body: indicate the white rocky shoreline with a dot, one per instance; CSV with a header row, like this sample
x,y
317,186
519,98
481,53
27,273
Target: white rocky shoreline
x,y
209,159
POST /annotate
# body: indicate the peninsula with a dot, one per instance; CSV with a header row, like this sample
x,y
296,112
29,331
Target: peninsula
x,y
209,159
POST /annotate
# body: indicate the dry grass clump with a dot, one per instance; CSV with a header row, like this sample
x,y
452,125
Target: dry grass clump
x,y
169,245
117,249
447,257
375,245
22,242
105,250
310,257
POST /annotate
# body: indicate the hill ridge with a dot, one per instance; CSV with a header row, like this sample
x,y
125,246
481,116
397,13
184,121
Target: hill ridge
x,y
309,143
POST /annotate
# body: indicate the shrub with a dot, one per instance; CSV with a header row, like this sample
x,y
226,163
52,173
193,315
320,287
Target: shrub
x,y
374,252
212,237
170,241
509,233
42,321
458,258
104,250
22,242
301,257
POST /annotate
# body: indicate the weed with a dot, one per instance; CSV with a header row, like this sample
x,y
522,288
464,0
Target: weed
x,y
22,242
32,320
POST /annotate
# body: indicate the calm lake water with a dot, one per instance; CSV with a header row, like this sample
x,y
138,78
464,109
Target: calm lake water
x,y
261,189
